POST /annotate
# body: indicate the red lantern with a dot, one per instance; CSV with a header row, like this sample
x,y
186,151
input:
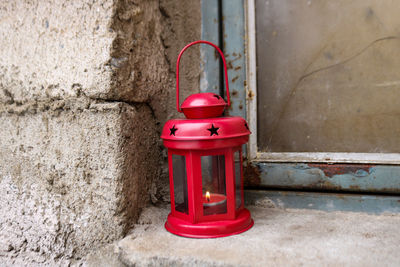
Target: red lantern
x,y
205,166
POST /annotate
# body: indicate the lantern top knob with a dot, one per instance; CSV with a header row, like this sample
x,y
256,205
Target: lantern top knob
x,y
203,105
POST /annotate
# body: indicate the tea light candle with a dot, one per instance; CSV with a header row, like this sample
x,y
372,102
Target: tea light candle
x,y
213,199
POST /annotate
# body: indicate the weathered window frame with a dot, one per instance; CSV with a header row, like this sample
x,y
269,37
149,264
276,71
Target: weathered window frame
x,y
251,103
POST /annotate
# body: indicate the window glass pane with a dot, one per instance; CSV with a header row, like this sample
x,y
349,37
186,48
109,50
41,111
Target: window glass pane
x,y
328,80
180,183
238,179
214,187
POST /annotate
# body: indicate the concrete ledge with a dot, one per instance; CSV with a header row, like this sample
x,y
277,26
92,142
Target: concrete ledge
x,y
55,48
279,238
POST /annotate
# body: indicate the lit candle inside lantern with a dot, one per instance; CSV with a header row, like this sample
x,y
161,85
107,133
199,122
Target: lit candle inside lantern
x,y
213,199
208,196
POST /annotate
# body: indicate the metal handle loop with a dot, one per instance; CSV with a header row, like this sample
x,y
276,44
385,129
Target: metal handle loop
x,y
177,71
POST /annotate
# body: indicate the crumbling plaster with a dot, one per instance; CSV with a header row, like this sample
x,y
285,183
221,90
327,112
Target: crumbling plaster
x,y
70,178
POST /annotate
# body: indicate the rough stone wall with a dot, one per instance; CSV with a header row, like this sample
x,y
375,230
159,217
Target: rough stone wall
x,y
69,180
85,87
112,50
181,21
55,49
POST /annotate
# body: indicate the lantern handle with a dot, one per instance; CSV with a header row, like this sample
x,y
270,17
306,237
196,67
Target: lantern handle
x,y
177,71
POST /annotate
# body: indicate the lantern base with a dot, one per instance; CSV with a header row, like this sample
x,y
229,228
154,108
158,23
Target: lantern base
x,y
210,229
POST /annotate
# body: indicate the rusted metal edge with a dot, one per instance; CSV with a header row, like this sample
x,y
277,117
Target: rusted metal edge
x,y
374,204
251,77
329,157
233,35
324,177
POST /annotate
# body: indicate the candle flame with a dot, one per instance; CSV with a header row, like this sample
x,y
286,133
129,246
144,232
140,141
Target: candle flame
x,y
208,196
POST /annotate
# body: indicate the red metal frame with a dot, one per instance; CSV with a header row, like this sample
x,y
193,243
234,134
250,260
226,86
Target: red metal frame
x,y
241,180
236,220
175,213
193,162
228,182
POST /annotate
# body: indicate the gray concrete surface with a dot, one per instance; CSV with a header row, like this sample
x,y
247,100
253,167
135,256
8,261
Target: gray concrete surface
x,y
279,237
72,179
55,48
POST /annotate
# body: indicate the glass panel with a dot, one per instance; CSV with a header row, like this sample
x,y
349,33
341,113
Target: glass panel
x,y
238,179
180,183
214,187
328,78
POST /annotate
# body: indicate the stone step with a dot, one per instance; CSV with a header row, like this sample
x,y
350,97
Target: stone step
x,y
279,237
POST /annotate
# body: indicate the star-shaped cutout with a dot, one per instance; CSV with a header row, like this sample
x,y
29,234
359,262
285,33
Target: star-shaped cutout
x,y
173,130
213,130
217,96
247,127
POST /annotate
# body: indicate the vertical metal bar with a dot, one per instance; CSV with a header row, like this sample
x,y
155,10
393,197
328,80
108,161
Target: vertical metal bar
x,y
221,45
210,61
241,180
233,48
193,185
251,90
230,183
233,35
171,182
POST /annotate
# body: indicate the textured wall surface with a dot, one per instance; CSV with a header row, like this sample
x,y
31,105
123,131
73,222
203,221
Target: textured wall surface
x,y
55,48
72,178
85,87
121,50
181,22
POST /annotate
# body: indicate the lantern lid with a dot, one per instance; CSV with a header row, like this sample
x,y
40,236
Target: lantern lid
x,y
205,129
203,105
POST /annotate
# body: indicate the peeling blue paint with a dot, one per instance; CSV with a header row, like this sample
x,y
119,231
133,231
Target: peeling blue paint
x,y
379,178
210,64
362,173
234,50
